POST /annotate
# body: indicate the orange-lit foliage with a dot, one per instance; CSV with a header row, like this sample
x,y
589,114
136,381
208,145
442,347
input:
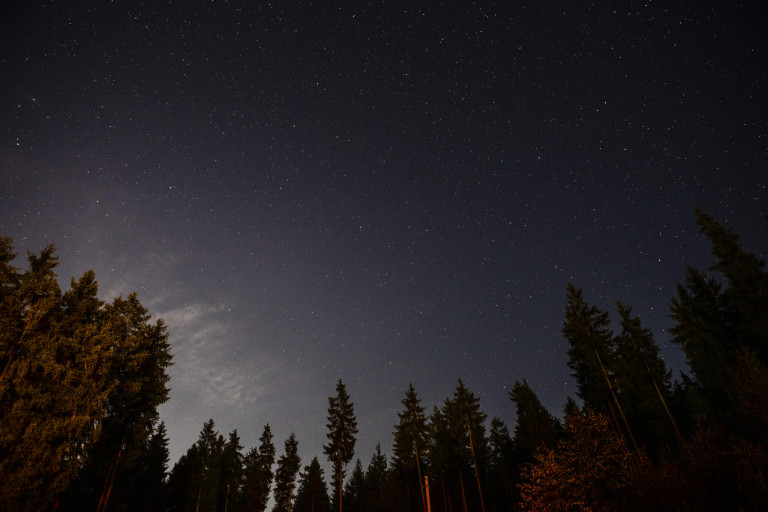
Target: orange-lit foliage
x,y
587,471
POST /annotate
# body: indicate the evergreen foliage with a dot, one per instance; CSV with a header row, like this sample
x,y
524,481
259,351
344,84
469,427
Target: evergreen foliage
x,y
410,444
285,476
588,471
258,473
80,384
342,429
591,351
313,492
536,428
82,379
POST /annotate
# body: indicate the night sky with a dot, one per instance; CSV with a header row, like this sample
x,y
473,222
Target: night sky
x,y
382,192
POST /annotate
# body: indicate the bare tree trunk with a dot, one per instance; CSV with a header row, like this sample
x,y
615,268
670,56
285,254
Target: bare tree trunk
x,y
418,467
110,481
477,468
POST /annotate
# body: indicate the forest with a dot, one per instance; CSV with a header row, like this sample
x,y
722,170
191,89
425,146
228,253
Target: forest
x,y
82,380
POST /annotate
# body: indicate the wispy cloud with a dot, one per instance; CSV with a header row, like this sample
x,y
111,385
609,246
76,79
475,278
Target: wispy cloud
x,y
211,367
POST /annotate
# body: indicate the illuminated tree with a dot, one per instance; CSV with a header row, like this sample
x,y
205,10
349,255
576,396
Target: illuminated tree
x,y
589,470
80,384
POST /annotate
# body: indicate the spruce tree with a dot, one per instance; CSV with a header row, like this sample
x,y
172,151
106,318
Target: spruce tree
x,y
535,428
643,382
501,463
375,481
73,371
717,322
231,479
313,492
591,351
342,429
148,490
285,476
466,424
258,473
410,443
355,492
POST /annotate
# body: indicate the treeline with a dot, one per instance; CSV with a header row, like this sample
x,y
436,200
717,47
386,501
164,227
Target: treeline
x,y
635,440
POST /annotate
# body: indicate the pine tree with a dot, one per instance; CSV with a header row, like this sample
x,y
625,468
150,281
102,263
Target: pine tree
x,y
501,463
410,442
313,492
148,490
66,361
643,382
210,447
466,424
185,481
355,492
231,479
591,351
285,476
536,428
342,428
258,473
142,355
375,481
714,324
441,456
588,471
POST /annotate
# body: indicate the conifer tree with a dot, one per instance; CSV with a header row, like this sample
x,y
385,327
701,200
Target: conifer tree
x,y
258,473
231,478
589,470
185,481
501,463
410,443
355,492
285,476
375,481
313,492
148,491
715,324
210,447
466,424
536,428
591,351
342,429
643,382
72,370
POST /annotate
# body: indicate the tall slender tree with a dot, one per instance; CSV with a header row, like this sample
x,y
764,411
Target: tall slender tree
x,y
410,442
501,462
591,352
285,476
716,322
231,474
375,481
536,428
342,431
466,423
258,473
643,382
